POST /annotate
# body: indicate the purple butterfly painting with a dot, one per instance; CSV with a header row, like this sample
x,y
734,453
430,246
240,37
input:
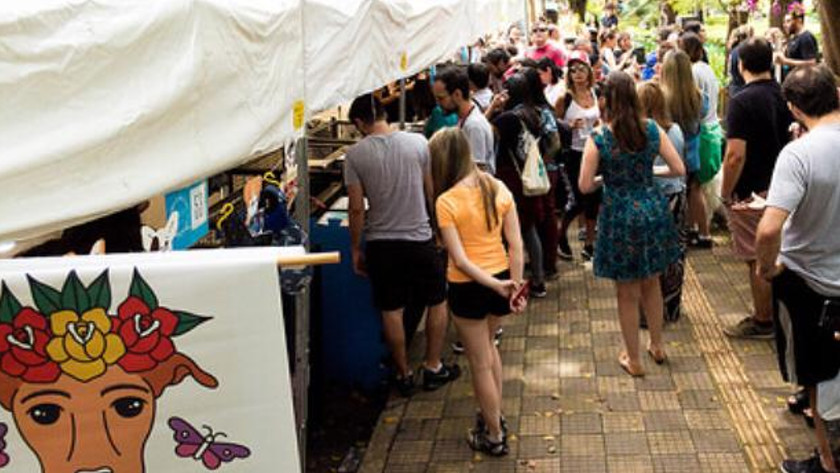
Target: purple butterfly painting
x,y
204,448
4,457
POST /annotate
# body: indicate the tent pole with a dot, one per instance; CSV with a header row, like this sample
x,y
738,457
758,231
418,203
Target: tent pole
x,y
300,385
402,103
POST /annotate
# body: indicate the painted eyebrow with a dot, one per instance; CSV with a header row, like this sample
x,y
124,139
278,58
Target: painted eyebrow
x,y
49,392
119,387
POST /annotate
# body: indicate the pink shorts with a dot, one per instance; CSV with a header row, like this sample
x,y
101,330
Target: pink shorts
x,y
744,224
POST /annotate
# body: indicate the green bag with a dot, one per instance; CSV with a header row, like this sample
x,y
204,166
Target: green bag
x,y
711,145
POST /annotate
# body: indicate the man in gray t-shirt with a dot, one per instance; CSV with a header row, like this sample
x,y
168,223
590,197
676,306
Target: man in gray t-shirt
x,y
392,170
452,92
798,246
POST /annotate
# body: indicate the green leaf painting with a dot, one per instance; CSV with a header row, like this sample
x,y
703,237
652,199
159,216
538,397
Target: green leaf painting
x,y
47,300
99,292
9,305
187,322
140,288
74,296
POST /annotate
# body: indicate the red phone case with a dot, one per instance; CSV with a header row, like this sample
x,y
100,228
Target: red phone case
x,y
522,293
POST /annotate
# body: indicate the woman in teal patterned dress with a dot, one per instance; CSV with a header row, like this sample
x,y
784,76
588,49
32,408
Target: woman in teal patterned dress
x,y
637,238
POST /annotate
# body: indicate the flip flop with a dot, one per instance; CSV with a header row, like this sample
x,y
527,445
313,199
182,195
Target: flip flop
x,y
624,361
798,402
659,357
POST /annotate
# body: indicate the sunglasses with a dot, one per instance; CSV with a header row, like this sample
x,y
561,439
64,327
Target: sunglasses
x,y
578,69
539,30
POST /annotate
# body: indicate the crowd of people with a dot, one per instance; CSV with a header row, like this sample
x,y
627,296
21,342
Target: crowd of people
x,y
531,135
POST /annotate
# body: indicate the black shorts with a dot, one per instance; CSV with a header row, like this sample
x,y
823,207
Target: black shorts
x,y
471,300
808,354
403,272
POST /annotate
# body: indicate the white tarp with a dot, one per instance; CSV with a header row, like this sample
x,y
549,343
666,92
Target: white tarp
x,y
106,103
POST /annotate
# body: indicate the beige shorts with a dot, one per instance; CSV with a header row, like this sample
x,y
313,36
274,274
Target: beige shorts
x,y
744,225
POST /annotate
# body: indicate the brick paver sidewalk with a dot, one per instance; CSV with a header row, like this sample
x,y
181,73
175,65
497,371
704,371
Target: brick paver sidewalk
x,y
717,406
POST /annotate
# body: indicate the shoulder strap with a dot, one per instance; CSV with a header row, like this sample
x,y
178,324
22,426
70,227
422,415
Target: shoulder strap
x,y
478,105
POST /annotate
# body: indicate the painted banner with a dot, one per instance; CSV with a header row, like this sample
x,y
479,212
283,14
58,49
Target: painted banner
x,y
149,363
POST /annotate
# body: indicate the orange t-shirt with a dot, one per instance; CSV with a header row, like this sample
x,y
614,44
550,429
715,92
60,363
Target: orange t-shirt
x,y
462,208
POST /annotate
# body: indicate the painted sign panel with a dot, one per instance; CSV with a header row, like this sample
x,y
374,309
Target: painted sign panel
x,y
142,363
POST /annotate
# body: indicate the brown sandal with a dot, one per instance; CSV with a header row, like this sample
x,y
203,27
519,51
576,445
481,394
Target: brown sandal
x,y
659,357
624,361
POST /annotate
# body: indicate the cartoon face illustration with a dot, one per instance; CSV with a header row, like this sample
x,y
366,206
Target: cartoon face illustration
x,y
82,385
97,426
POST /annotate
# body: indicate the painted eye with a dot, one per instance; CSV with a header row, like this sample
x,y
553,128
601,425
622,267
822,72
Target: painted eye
x,y
129,407
45,414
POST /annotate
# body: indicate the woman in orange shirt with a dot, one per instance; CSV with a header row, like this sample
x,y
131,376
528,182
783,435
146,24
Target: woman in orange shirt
x,y
476,214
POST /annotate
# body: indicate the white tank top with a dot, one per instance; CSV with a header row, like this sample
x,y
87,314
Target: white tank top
x,y
590,117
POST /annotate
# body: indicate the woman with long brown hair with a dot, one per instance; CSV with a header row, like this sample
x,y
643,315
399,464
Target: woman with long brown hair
x,y
652,101
637,238
476,215
687,107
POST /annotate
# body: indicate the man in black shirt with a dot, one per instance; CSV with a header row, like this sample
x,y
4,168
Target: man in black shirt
x,y
757,129
802,48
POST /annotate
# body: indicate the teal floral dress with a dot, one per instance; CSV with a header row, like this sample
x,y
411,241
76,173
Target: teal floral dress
x,y
637,237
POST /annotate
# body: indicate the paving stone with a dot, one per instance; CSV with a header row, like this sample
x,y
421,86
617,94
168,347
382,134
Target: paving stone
x,y
699,399
722,463
582,423
715,441
670,443
424,410
583,445
655,383
693,380
629,464
658,400
660,421
543,446
583,464
680,463
417,429
410,451
706,419
623,422
626,444
539,425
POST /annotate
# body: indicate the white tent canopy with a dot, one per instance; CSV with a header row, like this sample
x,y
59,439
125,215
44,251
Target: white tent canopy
x,y
107,103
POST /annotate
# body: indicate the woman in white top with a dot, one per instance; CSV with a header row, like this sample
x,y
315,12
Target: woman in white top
x,y
579,115
608,42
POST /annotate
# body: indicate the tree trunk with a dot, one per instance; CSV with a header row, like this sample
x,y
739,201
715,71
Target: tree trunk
x,y
736,19
669,15
777,14
579,7
829,13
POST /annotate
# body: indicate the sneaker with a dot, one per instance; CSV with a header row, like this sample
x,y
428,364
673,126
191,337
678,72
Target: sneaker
x,y
446,374
482,427
457,347
564,251
497,337
588,252
480,442
405,385
750,329
538,291
811,465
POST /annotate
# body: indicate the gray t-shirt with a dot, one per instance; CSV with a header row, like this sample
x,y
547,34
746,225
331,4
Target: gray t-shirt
x,y
390,169
708,83
805,184
480,135
672,185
